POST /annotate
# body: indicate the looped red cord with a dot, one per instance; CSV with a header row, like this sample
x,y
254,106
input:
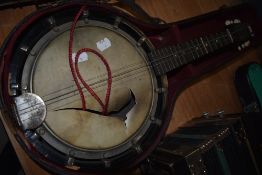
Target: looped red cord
x,y
76,73
90,90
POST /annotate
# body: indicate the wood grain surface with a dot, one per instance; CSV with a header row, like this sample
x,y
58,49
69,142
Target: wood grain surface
x,y
212,93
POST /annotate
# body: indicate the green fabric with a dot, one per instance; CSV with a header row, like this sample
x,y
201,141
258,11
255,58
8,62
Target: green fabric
x,y
223,161
255,78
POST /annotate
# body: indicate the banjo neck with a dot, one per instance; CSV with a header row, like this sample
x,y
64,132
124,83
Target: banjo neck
x,y
166,59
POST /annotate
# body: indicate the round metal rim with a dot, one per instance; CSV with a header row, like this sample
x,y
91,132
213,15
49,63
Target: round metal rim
x,y
57,142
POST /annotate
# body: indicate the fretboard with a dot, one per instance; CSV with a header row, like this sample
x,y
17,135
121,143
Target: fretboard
x,y
169,58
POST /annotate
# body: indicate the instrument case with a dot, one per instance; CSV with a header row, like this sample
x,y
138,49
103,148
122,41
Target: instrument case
x,y
160,36
236,146
252,123
248,82
187,156
220,144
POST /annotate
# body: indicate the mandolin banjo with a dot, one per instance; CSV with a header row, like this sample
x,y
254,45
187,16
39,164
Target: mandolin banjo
x,y
87,85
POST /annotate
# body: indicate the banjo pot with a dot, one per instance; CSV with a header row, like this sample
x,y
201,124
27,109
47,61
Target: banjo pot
x,y
41,95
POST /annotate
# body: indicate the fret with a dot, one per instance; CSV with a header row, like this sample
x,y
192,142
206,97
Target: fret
x,y
187,53
229,35
178,55
158,53
204,45
216,40
178,50
184,53
228,38
172,59
199,47
191,50
213,42
209,44
167,61
164,61
194,49
162,57
175,56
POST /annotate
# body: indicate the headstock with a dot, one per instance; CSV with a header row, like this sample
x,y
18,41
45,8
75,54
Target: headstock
x,y
240,33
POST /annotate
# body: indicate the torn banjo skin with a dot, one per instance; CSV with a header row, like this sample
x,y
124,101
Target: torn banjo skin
x,y
166,84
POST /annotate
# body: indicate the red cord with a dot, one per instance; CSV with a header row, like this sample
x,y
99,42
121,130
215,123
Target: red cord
x,y
90,90
71,39
76,73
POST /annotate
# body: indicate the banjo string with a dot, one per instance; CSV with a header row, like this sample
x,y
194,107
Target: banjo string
x,y
67,97
95,78
161,60
134,64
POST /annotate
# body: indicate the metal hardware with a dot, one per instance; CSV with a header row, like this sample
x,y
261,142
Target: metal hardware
x,y
85,16
161,90
140,41
117,22
24,48
13,88
52,21
205,114
220,113
239,48
138,149
237,21
31,110
70,161
107,163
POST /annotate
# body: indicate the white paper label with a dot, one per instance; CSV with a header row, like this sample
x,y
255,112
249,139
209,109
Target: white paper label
x,y
103,44
82,57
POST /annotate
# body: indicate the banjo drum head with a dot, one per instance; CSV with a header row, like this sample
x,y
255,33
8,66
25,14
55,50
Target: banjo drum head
x,y
64,133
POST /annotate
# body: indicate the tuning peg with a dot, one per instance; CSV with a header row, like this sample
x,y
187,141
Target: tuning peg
x,y
239,48
247,43
236,21
243,45
227,22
